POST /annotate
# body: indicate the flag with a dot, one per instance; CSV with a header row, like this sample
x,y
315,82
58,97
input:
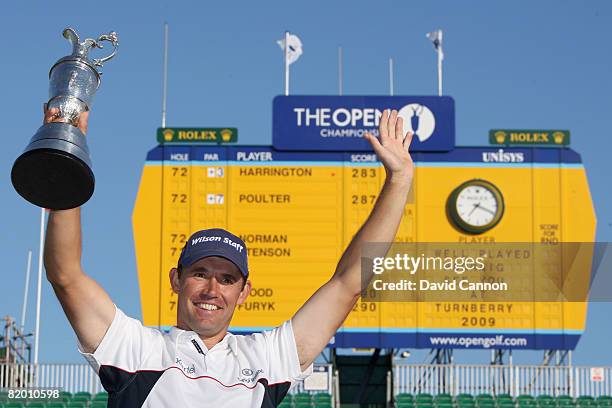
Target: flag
x,y
295,48
436,38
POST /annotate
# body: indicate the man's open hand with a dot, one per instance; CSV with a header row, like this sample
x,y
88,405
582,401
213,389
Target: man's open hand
x,y
393,147
52,115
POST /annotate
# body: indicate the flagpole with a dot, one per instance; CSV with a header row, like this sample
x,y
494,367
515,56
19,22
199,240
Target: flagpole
x,y
25,294
165,74
286,63
340,71
440,65
391,76
39,284
439,74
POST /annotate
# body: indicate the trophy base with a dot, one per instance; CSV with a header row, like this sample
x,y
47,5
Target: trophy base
x,y
54,172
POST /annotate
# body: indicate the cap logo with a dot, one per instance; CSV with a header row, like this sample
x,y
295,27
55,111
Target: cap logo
x,y
225,240
204,239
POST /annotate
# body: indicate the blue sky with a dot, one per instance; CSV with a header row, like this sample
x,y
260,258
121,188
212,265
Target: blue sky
x,y
519,64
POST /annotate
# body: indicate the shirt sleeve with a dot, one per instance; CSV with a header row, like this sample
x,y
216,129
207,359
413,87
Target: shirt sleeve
x,y
124,346
283,355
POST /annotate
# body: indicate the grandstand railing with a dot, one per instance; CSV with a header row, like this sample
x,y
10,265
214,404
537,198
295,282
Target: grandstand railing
x,y
510,379
81,377
409,378
68,377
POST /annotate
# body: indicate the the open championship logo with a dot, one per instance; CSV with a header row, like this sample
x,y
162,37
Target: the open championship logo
x,y
419,120
338,123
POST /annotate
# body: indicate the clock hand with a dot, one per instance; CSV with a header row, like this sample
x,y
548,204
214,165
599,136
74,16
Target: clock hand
x,y
487,210
474,209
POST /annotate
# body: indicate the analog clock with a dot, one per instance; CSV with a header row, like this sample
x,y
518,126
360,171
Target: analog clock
x,y
475,206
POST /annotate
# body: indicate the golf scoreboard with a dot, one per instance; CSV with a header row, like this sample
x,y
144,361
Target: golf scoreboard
x,y
297,210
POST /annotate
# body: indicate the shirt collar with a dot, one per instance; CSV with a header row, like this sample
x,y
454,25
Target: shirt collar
x,y
180,336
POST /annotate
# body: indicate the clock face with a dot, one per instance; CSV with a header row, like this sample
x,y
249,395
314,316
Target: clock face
x,y
475,206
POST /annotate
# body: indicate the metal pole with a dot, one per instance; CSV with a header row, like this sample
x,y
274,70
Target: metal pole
x,y
25,294
391,76
571,375
336,389
389,391
286,63
7,338
165,80
39,284
440,65
439,74
339,70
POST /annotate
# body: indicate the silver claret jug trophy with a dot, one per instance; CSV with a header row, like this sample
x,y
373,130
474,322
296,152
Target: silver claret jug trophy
x,y
54,171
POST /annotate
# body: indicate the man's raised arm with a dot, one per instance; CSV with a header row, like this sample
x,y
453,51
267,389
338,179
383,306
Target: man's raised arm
x,y
87,306
321,316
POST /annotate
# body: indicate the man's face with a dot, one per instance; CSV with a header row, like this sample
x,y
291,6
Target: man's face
x,y
208,292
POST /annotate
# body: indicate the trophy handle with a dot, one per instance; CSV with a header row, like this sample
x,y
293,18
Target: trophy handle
x,y
114,40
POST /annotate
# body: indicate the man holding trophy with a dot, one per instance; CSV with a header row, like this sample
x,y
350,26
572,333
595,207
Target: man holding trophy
x,y
199,363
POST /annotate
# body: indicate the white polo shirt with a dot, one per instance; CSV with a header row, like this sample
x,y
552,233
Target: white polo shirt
x,y
143,367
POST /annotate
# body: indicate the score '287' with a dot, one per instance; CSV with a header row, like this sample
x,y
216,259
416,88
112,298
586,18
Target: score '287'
x,y
363,199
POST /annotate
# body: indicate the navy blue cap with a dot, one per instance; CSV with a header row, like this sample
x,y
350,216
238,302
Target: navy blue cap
x,y
215,242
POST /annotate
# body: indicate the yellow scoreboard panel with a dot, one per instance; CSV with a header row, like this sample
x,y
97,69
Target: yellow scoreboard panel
x,y
297,211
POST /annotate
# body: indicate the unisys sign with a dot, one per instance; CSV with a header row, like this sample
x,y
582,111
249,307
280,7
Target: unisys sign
x,y
339,122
